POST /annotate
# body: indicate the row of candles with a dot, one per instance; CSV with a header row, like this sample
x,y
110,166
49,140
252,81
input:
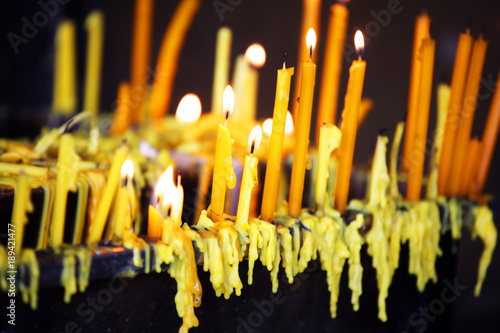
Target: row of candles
x,y
465,82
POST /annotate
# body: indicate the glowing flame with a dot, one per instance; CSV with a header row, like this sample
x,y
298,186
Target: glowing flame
x,y
256,55
166,190
163,182
288,123
127,170
228,102
311,39
189,109
359,42
267,126
254,138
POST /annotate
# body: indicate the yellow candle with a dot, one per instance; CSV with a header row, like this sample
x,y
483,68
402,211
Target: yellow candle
x,y
276,144
310,19
458,81
67,160
303,127
121,116
332,67
22,205
166,66
97,226
467,115
421,32
94,24
350,125
489,141
246,83
155,224
123,203
141,48
223,165
248,180
416,171
65,96
329,140
221,67
30,170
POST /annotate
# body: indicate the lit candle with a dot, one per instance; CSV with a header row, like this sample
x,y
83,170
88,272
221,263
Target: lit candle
x,y
123,209
350,124
221,67
94,24
416,171
310,19
97,227
121,117
332,67
275,153
65,96
329,140
467,115
141,48
248,180
177,211
166,66
458,81
303,126
223,165
67,170
489,141
246,83
421,32
155,224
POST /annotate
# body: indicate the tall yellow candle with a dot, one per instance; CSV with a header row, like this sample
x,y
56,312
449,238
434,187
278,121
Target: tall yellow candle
x,y
329,140
469,165
223,165
458,81
122,115
123,204
276,143
350,124
22,205
67,160
97,226
416,171
332,67
155,224
166,66
64,92
310,19
141,49
489,141
221,67
467,115
421,32
94,24
303,127
248,180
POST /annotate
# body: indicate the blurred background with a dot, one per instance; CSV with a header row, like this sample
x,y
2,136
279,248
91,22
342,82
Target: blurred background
x,y
26,77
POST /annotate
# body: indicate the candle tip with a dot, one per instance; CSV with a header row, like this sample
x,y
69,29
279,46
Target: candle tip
x,y
284,61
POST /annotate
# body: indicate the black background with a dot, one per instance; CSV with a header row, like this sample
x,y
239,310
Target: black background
x,y
26,77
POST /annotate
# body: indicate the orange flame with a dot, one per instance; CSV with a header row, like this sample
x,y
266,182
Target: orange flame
x,y
189,109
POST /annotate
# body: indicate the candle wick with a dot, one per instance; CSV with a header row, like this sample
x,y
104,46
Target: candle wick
x,y
284,61
125,181
169,211
310,52
252,147
178,178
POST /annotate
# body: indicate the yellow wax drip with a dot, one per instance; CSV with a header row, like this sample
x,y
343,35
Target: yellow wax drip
x,y
355,242
30,293
68,280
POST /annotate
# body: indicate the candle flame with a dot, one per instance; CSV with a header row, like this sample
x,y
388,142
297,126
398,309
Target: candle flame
x,y
267,126
255,55
311,39
163,182
227,102
189,109
167,189
288,123
127,170
359,42
254,139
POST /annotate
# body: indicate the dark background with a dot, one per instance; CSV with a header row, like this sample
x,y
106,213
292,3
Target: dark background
x,y
26,78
